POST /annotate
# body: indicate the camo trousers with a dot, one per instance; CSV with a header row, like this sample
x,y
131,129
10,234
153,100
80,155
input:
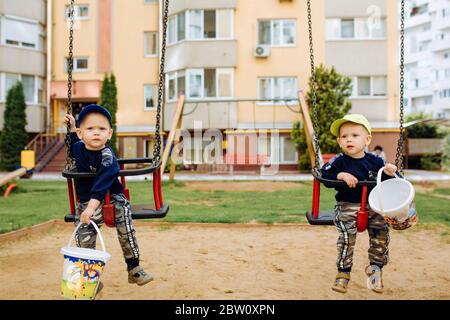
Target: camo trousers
x,y
345,221
86,236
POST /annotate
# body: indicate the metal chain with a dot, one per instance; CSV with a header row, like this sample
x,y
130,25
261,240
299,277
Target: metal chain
x,y
70,162
401,141
157,149
313,91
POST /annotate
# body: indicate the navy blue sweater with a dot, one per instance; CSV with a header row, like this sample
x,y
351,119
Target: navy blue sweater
x,y
365,168
103,163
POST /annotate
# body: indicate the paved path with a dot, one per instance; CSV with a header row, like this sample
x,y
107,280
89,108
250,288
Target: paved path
x,y
412,175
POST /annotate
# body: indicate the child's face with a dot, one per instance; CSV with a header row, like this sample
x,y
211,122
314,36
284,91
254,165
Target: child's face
x,y
95,131
353,139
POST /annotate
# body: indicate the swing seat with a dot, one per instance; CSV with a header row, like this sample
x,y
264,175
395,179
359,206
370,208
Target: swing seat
x,y
324,219
138,211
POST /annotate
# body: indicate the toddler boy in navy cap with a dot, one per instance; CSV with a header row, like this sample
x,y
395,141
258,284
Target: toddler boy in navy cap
x,y
88,147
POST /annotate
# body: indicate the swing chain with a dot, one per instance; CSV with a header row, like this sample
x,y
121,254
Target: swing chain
x,y
157,149
313,91
70,161
399,156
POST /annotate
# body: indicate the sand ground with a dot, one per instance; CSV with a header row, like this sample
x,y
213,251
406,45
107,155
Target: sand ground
x,y
221,261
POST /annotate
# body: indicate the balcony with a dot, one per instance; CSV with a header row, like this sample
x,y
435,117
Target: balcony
x,y
419,92
417,20
441,23
440,44
210,115
416,56
424,36
19,60
36,117
201,53
182,5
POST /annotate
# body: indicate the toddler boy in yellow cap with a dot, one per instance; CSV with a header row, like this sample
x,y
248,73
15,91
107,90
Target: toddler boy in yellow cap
x,y
353,134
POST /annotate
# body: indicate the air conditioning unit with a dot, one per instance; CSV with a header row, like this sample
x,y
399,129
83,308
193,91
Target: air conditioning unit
x,y
262,51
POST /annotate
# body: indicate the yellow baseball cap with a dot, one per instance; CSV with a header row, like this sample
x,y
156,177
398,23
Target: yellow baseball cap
x,y
355,118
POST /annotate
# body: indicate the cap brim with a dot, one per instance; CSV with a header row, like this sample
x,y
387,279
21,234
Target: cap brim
x,y
336,125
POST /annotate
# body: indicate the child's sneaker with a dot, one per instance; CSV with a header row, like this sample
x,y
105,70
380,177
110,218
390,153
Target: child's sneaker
x,y
139,276
375,280
341,282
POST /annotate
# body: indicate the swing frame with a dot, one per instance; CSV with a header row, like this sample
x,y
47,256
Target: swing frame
x,y
159,210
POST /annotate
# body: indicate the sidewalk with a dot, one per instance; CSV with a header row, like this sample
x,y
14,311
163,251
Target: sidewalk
x,y
411,175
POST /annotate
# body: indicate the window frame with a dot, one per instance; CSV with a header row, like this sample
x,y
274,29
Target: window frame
x,y
332,37
77,9
20,44
3,93
355,95
272,87
154,88
75,69
152,55
187,20
281,22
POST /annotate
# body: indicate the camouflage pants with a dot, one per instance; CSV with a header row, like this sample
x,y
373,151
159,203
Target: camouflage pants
x,y
86,236
377,228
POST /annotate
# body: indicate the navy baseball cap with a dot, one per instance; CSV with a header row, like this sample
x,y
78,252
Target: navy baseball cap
x,y
94,108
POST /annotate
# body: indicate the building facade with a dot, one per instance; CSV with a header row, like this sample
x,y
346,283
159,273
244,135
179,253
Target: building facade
x,y
23,57
427,57
240,64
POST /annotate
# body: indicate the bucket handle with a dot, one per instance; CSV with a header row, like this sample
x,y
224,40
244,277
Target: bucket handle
x,y
380,173
96,229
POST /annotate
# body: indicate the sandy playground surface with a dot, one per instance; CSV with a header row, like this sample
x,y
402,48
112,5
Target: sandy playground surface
x,y
212,261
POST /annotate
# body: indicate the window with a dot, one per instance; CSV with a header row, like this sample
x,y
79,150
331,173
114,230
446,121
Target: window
x,y
201,83
150,44
10,80
150,96
32,86
277,32
29,88
277,88
277,149
355,28
289,154
367,86
81,12
19,33
150,1
80,64
200,24
347,28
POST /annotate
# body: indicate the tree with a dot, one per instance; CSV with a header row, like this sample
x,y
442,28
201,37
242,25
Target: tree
x,y
14,137
332,91
108,100
423,130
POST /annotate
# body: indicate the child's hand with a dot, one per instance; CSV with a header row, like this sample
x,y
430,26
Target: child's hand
x,y
68,118
390,169
349,179
85,217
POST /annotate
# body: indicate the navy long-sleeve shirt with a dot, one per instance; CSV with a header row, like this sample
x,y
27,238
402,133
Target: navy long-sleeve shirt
x,y
103,163
365,168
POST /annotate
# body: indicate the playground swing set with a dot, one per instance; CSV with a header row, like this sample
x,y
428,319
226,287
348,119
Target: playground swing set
x,y
154,164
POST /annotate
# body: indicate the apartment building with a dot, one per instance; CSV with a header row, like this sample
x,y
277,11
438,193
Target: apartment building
x,y
427,57
23,55
240,64
119,37
361,42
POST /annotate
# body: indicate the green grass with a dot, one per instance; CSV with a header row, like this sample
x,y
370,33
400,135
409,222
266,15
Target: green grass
x,y
38,201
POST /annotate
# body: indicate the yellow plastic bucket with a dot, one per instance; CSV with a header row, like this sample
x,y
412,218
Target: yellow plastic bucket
x,y
82,269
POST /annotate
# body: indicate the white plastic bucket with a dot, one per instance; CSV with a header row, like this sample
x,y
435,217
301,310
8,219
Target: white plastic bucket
x,y
82,269
393,199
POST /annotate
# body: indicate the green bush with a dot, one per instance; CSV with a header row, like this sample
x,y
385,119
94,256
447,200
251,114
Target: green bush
x,y
431,162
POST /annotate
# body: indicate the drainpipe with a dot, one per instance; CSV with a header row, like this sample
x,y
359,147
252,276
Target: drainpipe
x,y
49,59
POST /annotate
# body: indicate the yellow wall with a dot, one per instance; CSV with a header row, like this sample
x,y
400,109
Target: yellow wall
x,y
130,67
283,61
85,41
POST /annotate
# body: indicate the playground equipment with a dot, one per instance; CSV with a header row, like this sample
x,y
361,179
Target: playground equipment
x,y
159,210
316,217
27,162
